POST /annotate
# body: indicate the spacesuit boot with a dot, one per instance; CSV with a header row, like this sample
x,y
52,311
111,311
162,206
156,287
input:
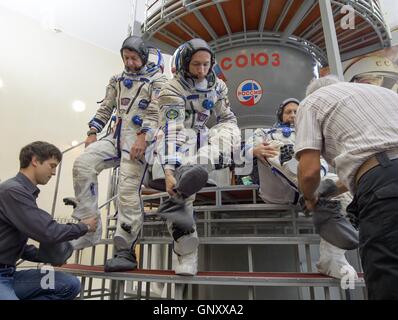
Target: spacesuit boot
x,y
123,260
187,265
185,246
89,239
332,262
327,188
175,210
332,225
190,179
54,253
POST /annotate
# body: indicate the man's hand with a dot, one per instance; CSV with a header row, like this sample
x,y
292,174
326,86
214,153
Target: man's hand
x,y
90,139
170,182
91,223
311,203
265,150
138,149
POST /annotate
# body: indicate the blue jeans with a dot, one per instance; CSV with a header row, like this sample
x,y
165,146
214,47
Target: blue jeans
x,y
34,284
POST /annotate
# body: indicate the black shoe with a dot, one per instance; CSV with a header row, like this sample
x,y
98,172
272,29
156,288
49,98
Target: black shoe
x,y
124,260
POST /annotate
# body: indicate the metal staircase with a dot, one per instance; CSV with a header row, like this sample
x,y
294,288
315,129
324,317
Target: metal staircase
x,y
248,250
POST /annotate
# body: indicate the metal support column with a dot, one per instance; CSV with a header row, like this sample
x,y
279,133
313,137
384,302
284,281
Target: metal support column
x,y
251,292
332,46
82,287
309,267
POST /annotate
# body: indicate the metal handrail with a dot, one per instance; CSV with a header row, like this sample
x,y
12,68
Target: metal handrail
x,y
108,201
73,147
169,11
59,174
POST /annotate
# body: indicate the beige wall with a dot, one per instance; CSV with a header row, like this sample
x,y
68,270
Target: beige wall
x,y
42,73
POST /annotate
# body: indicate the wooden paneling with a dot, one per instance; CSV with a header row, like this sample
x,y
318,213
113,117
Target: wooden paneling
x,y
166,40
360,46
176,30
214,19
274,11
314,14
193,22
341,33
291,13
233,12
253,13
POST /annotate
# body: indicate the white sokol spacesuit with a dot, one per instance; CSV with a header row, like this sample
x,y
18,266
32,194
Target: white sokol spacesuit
x,y
184,141
133,96
278,184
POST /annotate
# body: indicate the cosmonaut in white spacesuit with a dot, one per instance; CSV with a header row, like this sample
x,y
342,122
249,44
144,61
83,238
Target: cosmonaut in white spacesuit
x,y
186,150
132,95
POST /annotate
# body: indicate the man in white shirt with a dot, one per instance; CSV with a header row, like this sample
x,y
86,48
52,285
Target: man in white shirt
x,y
355,128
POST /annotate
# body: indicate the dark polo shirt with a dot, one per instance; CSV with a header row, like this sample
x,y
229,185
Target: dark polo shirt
x,y
21,219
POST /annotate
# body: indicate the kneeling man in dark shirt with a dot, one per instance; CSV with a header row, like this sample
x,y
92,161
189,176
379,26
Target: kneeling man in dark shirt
x,y
21,219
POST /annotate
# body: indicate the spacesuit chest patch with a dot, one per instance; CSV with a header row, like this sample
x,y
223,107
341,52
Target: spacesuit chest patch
x,y
172,114
156,93
125,101
201,118
143,104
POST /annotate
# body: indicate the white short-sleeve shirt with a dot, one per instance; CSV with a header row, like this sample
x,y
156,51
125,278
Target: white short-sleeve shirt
x,y
348,123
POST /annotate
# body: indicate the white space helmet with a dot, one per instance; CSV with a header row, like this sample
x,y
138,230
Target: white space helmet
x,y
155,59
175,59
370,70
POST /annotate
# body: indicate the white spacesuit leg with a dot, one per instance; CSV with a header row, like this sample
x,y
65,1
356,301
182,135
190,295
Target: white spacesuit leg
x,y
130,215
96,157
273,188
332,262
185,245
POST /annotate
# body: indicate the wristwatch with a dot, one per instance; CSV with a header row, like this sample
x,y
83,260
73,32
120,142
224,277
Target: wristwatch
x,y
91,131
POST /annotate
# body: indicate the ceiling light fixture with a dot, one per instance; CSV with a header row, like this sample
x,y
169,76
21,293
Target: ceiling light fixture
x,y
79,106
